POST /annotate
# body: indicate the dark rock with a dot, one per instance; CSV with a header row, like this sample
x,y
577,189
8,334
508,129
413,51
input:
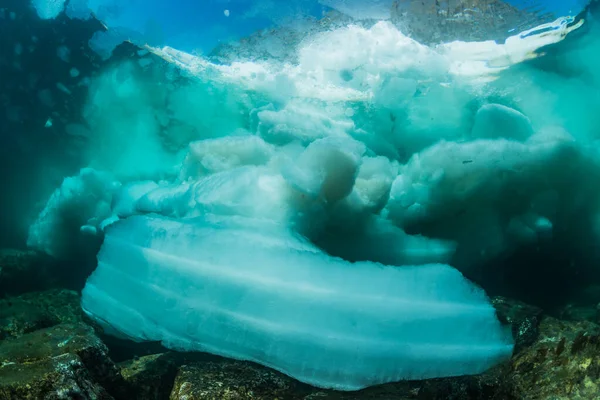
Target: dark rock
x,y
64,353
489,385
151,377
33,311
523,319
122,350
25,271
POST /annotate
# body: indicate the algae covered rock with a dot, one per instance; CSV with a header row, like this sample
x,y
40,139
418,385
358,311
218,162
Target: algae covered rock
x,y
523,319
33,311
563,364
62,362
230,380
61,377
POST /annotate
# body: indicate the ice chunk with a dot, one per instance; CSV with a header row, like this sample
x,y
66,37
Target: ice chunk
x,y
49,9
78,9
253,290
302,121
216,155
528,228
373,183
356,238
327,168
124,202
449,177
171,200
395,92
82,200
489,196
494,121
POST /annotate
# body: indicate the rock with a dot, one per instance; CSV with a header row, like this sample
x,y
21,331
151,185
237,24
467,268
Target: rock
x,y
573,312
240,380
61,377
432,22
123,350
50,363
523,319
33,311
230,380
279,43
554,359
151,377
562,364
489,385
25,271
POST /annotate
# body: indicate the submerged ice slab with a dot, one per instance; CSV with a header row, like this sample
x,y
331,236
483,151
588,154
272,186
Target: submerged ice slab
x,y
253,290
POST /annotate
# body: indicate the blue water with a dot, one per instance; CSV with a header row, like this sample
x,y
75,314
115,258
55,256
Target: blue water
x,y
201,25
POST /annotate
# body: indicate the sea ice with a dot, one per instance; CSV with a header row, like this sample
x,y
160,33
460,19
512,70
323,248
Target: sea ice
x,y
254,290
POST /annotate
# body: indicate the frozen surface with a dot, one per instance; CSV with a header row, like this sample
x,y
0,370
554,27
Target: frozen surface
x,y
253,290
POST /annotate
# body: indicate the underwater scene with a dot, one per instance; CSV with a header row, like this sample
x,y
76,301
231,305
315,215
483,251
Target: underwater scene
x,y
300,199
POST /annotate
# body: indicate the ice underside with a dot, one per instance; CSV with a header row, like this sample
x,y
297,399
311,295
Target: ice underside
x,y
309,216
